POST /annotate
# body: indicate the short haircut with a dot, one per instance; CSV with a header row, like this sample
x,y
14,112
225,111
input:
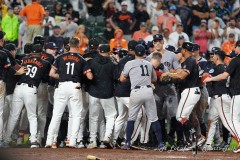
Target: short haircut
x,y
156,55
74,42
216,20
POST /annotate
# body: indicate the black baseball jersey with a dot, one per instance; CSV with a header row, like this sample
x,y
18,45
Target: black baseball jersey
x,y
191,67
48,57
122,89
70,67
234,71
92,54
38,69
103,72
5,65
219,87
10,56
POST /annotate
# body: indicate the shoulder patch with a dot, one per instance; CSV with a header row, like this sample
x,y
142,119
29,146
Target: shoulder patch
x,y
211,70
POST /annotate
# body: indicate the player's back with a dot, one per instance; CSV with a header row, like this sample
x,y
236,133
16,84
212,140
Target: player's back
x,y
38,69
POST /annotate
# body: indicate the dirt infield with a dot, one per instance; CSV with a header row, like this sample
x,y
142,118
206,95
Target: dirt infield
x,y
81,154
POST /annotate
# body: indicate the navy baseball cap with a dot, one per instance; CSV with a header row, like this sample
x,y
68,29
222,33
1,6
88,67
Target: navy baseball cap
x,y
140,50
178,50
28,48
56,27
93,43
188,46
215,49
104,48
170,48
2,34
51,45
131,45
196,47
10,47
157,37
150,44
37,48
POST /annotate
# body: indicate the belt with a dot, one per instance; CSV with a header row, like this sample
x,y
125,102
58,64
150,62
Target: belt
x,y
29,85
219,95
138,87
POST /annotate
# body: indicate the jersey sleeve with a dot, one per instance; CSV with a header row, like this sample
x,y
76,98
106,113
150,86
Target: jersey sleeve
x,y
189,66
126,69
231,67
153,74
176,63
56,63
86,67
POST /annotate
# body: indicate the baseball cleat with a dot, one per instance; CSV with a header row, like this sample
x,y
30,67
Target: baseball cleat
x,y
54,145
67,142
92,145
4,144
161,147
237,150
127,146
34,145
80,145
102,145
207,147
107,142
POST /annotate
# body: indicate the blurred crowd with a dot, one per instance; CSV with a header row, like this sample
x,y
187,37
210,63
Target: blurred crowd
x,y
206,22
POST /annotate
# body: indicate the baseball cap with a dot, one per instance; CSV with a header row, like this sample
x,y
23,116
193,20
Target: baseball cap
x,y
46,8
181,37
232,54
172,8
2,34
188,46
51,45
164,8
143,24
10,47
93,43
203,21
37,48
155,28
10,8
179,24
140,50
56,27
237,43
178,50
157,37
124,3
131,45
170,48
196,47
28,48
150,44
212,10
104,48
215,49
231,35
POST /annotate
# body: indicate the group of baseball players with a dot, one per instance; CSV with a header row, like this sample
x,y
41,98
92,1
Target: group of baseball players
x,y
122,99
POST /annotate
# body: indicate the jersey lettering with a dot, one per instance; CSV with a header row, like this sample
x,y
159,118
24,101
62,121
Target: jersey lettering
x,y
32,70
143,72
70,67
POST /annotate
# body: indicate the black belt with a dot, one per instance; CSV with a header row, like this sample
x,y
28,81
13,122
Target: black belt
x,y
29,85
138,87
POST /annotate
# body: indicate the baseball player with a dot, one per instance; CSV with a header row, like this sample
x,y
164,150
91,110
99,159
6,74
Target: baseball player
x,y
68,68
25,93
189,83
141,75
101,95
233,71
221,100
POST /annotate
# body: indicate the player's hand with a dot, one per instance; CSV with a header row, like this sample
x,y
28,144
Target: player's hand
x,y
22,70
164,75
207,80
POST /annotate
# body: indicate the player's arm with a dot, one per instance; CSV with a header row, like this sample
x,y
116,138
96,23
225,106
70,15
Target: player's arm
x,y
53,73
125,73
89,74
21,71
219,77
123,78
182,74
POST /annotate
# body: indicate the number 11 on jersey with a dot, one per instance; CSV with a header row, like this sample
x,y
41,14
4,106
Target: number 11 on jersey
x,y
70,67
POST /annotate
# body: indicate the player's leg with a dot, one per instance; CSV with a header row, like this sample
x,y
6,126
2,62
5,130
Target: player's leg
x,y
2,96
110,113
6,110
23,126
102,129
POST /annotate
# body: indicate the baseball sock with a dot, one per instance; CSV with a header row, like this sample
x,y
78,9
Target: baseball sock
x,y
203,129
129,131
157,131
188,127
225,134
163,129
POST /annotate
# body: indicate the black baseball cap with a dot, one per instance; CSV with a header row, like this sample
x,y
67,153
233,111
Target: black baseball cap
x,y
140,50
150,44
56,27
178,50
93,43
2,34
196,47
37,48
10,47
170,48
46,8
104,48
51,45
237,43
164,8
28,48
157,37
188,46
131,45
9,8
215,49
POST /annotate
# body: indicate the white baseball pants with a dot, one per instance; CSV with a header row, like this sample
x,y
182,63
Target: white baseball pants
x,y
2,96
23,95
67,93
189,98
6,110
235,115
95,106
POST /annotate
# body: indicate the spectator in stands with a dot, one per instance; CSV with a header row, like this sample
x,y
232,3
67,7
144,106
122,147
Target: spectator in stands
x,y
185,15
118,41
130,3
108,33
74,14
201,37
124,20
210,3
215,36
228,46
57,38
3,9
10,26
68,27
212,16
151,6
48,24
200,11
155,12
83,39
154,31
166,38
231,28
22,35
179,31
180,42
173,12
142,33
33,21
15,3
190,4
58,9
82,10
221,10
236,10
109,8
166,20
141,15
94,7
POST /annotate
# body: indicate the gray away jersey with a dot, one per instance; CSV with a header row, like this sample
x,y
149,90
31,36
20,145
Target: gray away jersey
x,y
140,72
